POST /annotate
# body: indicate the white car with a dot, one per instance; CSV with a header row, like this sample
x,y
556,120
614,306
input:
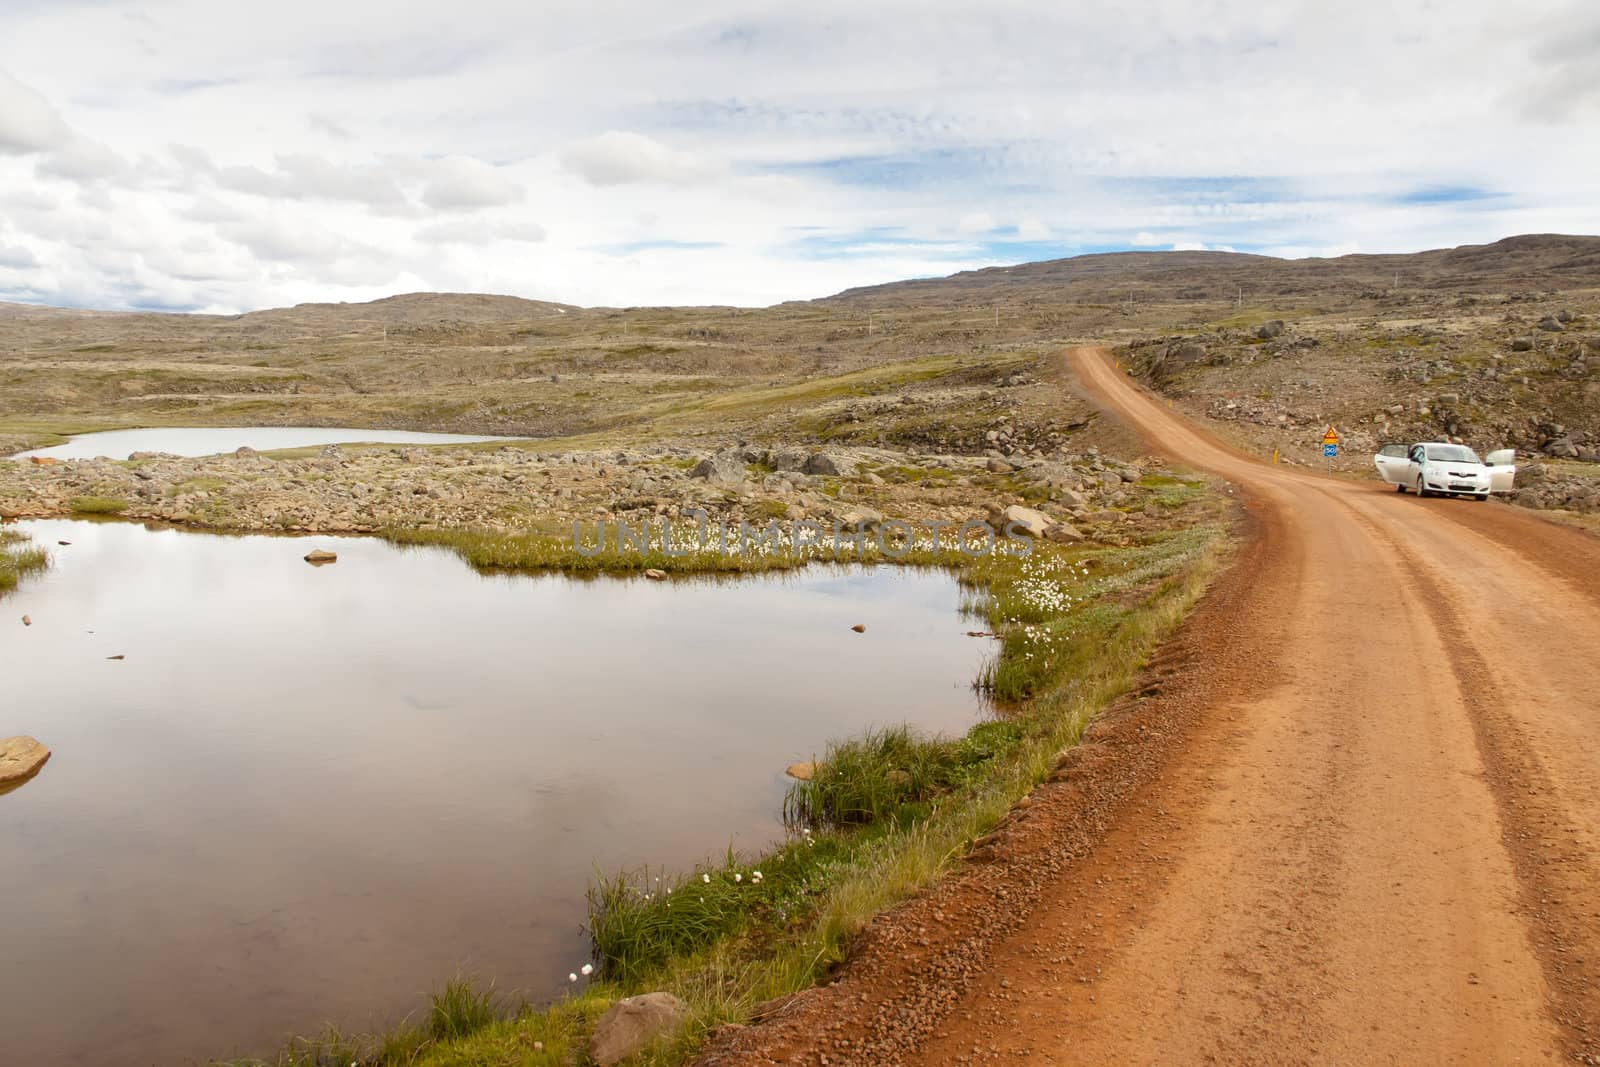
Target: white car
x,y
1446,469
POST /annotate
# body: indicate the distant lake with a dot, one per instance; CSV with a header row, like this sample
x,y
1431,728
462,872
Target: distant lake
x,y
312,794
211,441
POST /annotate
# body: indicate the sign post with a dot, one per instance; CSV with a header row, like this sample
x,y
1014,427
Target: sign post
x,y
1330,443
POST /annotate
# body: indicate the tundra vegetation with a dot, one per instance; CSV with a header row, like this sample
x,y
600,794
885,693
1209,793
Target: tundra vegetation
x,y
19,557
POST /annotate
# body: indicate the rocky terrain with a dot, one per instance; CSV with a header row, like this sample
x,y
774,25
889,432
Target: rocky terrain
x,y
1495,345
369,489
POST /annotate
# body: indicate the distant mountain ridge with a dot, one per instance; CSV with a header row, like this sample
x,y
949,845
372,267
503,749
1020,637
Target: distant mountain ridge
x,y
1526,260
1521,262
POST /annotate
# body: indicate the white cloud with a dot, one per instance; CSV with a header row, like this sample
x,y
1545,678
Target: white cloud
x,y
710,152
976,222
480,231
27,121
618,158
463,183
305,176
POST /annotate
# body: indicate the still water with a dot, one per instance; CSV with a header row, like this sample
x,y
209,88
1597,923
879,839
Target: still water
x,y
211,441
309,795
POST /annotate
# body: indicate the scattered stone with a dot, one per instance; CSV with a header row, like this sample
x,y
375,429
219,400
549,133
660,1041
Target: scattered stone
x,y
859,628
43,461
20,759
1551,324
724,468
27,621
319,556
119,656
802,772
1033,523
63,543
823,464
1521,344
1269,329
633,1024
656,574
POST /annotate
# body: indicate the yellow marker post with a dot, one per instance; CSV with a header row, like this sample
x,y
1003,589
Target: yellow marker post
x,y
1274,455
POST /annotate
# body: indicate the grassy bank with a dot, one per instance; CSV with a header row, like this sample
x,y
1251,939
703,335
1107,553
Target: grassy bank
x,y
19,557
884,815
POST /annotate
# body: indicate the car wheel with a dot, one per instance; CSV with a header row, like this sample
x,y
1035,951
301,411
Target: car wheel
x,y
1483,496
1399,487
1422,490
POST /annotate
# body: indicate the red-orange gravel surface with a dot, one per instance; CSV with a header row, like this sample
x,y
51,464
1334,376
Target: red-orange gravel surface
x,y
1352,815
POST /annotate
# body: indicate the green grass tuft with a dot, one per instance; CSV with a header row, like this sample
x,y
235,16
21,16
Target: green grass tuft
x,y
98,505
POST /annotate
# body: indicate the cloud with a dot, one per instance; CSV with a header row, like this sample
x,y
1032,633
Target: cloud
x,y
27,121
976,222
621,158
287,242
17,258
479,231
462,183
305,176
708,152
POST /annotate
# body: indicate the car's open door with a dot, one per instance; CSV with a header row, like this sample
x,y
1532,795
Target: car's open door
x,y
1392,464
1502,469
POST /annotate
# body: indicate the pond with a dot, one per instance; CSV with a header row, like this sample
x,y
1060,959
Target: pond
x,y
312,794
211,441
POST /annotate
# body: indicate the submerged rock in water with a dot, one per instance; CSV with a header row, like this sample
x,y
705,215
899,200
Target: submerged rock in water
x,y
859,628
803,772
655,574
319,556
20,759
633,1024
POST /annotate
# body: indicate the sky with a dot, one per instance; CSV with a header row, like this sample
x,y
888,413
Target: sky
x,y
195,155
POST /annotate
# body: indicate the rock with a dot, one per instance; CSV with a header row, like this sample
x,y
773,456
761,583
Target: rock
x,y
43,461
1551,324
1033,523
656,574
787,459
119,657
859,628
1564,316
633,1024
245,452
1063,533
999,466
721,468
861,516
319,556
801,772
824,464
1270,329
1521,344
27,621
20,759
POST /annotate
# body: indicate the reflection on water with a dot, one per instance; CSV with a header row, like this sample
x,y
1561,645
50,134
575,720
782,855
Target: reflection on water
x,y
311,794
211,441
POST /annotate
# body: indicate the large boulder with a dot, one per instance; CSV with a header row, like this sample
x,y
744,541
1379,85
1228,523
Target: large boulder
x,y
724,468
20,759
1033,523
633,1024
1270,329
826,465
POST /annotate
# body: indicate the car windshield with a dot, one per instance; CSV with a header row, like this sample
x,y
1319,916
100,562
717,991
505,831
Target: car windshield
x,y
1452,454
